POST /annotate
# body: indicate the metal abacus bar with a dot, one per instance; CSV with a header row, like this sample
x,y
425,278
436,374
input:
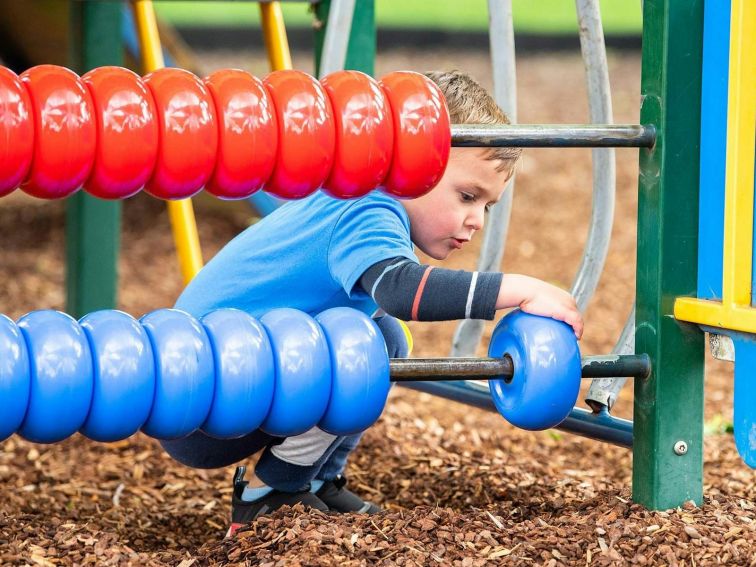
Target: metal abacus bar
x,y
469,368
554,136
169,374
172,133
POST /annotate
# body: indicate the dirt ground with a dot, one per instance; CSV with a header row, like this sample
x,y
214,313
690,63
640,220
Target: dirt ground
x,y
459,485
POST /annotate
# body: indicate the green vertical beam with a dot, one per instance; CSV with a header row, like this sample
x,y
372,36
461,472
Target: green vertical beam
x,y
361,49
669,405
93,225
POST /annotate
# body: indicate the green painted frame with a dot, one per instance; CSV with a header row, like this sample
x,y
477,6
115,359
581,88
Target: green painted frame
x,y
93,225
668,406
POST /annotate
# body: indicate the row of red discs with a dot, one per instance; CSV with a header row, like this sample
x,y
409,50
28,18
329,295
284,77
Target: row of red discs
x,y
172,133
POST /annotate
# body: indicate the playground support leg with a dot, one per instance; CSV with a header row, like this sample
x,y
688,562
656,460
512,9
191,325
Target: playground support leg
x,y
93,225
669,405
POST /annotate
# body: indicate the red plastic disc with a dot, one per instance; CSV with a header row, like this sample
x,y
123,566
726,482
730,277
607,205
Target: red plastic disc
x,y
65,132
188,134
364,134
306,134
127,133
16,131
247,137
422,135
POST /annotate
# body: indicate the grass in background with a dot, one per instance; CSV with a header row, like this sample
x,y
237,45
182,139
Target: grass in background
x,y
533,16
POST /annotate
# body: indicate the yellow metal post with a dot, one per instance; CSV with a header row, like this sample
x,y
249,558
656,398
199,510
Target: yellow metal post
x,y
741,128
274,32
181,213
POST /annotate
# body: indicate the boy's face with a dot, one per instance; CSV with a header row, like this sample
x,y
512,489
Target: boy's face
x,y
446,218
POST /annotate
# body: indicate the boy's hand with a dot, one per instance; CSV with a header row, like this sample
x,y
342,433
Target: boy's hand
x,y
539,298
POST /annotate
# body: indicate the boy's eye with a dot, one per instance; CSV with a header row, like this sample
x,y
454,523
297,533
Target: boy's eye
x,y
488,207
468,197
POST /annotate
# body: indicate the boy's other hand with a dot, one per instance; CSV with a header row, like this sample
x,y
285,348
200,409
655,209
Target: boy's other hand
x,y
540,298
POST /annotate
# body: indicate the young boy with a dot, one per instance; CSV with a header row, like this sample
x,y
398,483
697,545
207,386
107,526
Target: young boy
x,y
320,252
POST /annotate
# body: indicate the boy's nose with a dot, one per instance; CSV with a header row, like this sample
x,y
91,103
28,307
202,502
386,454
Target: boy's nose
x,y
475,220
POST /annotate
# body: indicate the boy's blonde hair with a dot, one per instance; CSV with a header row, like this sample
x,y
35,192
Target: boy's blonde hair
x,y
470,103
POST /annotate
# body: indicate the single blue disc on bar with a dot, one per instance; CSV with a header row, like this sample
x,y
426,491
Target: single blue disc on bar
x,y
184,374
124,375
360,371
303,372
547,370
61,376
244,373
15,377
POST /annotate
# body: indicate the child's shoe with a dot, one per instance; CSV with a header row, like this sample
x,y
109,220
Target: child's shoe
x,y
340,499
244,511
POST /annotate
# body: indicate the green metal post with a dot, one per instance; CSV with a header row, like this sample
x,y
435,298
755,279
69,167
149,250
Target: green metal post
x,y
93,225
361,49
669,405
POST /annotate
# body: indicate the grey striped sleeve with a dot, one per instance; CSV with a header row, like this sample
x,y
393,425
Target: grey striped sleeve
x,y
411,291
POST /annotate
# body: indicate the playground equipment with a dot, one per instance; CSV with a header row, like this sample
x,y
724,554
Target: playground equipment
x,y
676,236
229,374
175,135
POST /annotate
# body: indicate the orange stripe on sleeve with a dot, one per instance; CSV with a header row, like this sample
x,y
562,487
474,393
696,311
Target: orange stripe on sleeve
x,y
419,293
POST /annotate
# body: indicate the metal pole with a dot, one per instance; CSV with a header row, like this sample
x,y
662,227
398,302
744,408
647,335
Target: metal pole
x,y
501,36
601,426
442,369
554,135
600,106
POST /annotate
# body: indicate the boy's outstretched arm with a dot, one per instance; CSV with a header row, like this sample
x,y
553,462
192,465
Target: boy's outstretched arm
x,y
411,291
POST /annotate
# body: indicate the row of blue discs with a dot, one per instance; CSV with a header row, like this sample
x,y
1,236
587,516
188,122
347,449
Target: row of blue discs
x,y
169,374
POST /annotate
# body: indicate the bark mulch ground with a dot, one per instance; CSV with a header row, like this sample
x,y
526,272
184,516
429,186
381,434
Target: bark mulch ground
x,y
459,486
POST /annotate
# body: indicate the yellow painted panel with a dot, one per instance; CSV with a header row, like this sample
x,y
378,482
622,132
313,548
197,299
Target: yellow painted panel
x,y
739,168
715,314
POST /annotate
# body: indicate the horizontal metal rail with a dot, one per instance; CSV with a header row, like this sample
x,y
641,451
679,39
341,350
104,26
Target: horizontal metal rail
x,y
599,426
554,135
445,369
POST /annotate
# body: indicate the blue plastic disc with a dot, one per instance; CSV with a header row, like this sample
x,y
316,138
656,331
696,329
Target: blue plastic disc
x,y
360,371
547,366
61,376
303,372
244,373
184,374
124,375
15,378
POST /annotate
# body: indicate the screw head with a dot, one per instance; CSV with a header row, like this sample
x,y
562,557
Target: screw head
x,y
681,447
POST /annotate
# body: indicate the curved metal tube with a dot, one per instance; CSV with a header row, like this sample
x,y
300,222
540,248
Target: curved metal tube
x,y
600,104
604,391
501,36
